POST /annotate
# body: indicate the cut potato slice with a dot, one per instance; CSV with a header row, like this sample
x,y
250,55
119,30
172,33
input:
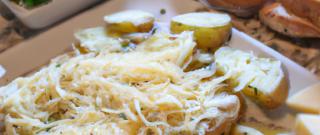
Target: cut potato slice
x,y
261,79
211,30
307,100
96,40
244,130
307,124
129,21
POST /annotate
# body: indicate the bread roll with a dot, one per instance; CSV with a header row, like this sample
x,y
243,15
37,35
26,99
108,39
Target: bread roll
x,y
277,18
243,8
304,8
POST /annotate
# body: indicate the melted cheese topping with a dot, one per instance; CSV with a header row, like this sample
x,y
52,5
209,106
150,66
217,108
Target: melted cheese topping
x,y
144,91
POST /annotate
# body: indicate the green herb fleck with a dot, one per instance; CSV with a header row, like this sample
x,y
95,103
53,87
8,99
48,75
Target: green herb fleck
x,y
255,91
153,31
123,116
58,65
125,44
51,119
163,11
192,119
245,133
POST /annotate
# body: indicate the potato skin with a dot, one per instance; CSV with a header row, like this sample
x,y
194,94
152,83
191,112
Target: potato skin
x,y
287,24
269,100
309,9
118,29
205,37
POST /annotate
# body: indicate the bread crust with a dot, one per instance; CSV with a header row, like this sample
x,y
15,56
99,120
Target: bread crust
x,y
309,9
243,8
277,18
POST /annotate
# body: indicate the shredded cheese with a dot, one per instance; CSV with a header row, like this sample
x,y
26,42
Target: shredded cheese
x,y
144,91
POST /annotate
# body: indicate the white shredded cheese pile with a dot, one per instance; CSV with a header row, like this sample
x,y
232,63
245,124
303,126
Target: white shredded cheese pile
x,y
144,91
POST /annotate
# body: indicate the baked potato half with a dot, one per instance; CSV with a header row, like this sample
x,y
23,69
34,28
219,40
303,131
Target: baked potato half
x,y
261,79
129,21
211,30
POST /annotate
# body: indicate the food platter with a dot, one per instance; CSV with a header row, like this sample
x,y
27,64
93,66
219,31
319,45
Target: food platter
x,y
36,52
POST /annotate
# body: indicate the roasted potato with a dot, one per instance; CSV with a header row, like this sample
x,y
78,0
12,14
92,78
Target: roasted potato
x,y
260,79
211,30
277,18
129,21
96,40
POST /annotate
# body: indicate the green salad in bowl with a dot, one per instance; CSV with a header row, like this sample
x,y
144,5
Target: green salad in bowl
x,y
30,3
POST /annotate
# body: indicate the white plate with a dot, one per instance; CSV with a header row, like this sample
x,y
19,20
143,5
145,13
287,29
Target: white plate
x,y
38,51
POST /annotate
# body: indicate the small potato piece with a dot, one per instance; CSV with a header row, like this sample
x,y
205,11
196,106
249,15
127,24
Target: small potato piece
x,y
244,130
261,79
96,40
211,30
129,21
277,18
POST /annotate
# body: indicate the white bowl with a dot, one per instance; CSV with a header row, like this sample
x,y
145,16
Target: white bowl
x,y
47,14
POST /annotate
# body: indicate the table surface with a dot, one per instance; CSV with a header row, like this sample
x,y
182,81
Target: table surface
x,y
305,52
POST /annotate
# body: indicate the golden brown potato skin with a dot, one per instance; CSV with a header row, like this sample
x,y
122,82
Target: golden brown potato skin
x,y
243,8
207,38
304,8
277,18
117,29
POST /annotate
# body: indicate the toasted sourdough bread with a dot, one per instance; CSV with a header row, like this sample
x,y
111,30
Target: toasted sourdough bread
x,y
277,18
304,8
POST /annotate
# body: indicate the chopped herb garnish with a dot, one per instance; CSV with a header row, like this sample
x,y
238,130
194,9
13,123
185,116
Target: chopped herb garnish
x,y
255,91
154,31
58,65
192,119
48,129
245,133
125,44
123,116
51,119
163,11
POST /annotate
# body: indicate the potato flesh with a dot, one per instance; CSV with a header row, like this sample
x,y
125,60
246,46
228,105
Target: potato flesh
x,y
241,130
210,30
129,21
118,29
